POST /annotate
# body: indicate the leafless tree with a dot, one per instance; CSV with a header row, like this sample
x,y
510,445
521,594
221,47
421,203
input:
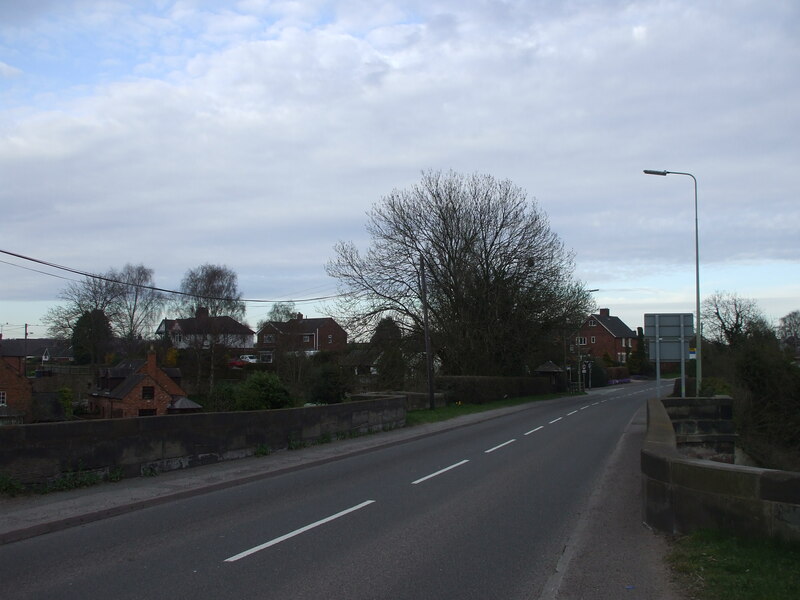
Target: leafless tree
x,y
729,319
138,306
789,330
82,297
499,279
214,287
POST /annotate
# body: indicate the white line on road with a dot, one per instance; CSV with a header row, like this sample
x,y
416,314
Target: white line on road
x,y
499,446
283,538
584,407
535,430
555,420
439,472
572,413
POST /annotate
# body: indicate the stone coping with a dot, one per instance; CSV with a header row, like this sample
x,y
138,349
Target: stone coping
x,y
681,494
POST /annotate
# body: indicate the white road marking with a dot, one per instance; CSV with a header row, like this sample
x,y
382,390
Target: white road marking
x,y
499,446
572,413
283,538
555,420
439,472
584,407
535,430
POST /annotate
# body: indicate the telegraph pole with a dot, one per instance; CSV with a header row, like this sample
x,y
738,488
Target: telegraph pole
x,y
428,357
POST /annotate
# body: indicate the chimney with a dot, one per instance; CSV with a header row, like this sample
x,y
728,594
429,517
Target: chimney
x,y
604,312
151,361
201,312
299,316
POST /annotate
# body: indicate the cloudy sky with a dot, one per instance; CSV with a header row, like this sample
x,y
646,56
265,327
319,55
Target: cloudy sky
x,y
258,133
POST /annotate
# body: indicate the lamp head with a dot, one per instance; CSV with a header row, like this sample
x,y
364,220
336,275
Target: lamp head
x,y
652,172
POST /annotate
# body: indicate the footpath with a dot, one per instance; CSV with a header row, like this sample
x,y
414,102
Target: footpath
x,y
610,554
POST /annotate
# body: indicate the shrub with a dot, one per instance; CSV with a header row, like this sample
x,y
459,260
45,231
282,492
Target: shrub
x,y
261,391
327,385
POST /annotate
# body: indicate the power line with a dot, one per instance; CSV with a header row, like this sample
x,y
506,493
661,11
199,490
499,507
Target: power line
x,y
146,287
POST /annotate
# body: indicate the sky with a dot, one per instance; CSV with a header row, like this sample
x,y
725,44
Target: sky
x,y
257,134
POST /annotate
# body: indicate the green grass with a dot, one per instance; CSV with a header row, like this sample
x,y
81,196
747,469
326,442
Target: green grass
x,y
426,415
721,566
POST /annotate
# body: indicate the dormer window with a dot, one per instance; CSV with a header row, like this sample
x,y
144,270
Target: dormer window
x,y
592,323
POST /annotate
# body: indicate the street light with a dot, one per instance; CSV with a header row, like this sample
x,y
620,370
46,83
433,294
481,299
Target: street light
x,y
696,271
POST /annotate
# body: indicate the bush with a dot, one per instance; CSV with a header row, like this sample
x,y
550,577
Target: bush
x,y
327,385
261,391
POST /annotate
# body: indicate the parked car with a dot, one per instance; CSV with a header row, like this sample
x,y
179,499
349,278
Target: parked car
x,y
237,363
249,358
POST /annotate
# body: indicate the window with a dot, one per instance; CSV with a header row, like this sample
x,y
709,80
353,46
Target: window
x,y
621,357
148,392
265,357
592,323
269,338
330,339
3,400
593,339
581,341
306,338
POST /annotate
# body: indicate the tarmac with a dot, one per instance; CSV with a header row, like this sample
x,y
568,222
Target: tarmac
x,y
610,554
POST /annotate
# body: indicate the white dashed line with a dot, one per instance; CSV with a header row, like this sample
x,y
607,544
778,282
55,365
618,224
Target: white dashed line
x,y
555,420
584,407
499,446
572,413
283,538
439,472
535,430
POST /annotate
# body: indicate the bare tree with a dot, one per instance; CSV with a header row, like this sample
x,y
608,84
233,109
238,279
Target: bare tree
x,y
138,306
789,330
79,298
500,280
214,287
729,319
281,312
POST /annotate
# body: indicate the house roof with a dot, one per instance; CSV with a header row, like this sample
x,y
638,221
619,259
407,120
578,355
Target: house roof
x,y
183,403
614,325
37,347
298,326
549,367
203,325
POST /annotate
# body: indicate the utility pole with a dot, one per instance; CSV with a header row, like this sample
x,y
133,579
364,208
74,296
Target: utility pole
x,y
428,357
24,364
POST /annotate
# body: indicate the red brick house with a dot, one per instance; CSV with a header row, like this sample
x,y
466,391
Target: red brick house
x,y
16,392
603,334
300,335
136,388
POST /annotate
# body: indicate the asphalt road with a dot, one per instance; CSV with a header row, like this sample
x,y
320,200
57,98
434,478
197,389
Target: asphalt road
x,y
478,512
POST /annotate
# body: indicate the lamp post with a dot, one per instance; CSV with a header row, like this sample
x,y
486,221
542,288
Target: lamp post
x,y
699,333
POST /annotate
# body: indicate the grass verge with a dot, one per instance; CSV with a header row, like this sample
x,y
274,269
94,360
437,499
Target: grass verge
x,y
426,415
720,566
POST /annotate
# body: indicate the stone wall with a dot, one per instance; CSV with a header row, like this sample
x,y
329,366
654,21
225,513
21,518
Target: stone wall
x,y
682,494
131,447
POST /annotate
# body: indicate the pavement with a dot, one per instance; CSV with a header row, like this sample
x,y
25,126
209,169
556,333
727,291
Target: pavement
x,y
611,554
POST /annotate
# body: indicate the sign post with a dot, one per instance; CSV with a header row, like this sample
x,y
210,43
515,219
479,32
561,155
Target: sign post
x,y
669,334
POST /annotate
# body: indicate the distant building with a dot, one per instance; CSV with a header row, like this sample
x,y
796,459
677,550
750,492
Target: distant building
x,y
138,388
603,334
202,330
300,335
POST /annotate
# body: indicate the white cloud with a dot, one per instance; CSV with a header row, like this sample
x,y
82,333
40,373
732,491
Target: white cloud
x,y
257,134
